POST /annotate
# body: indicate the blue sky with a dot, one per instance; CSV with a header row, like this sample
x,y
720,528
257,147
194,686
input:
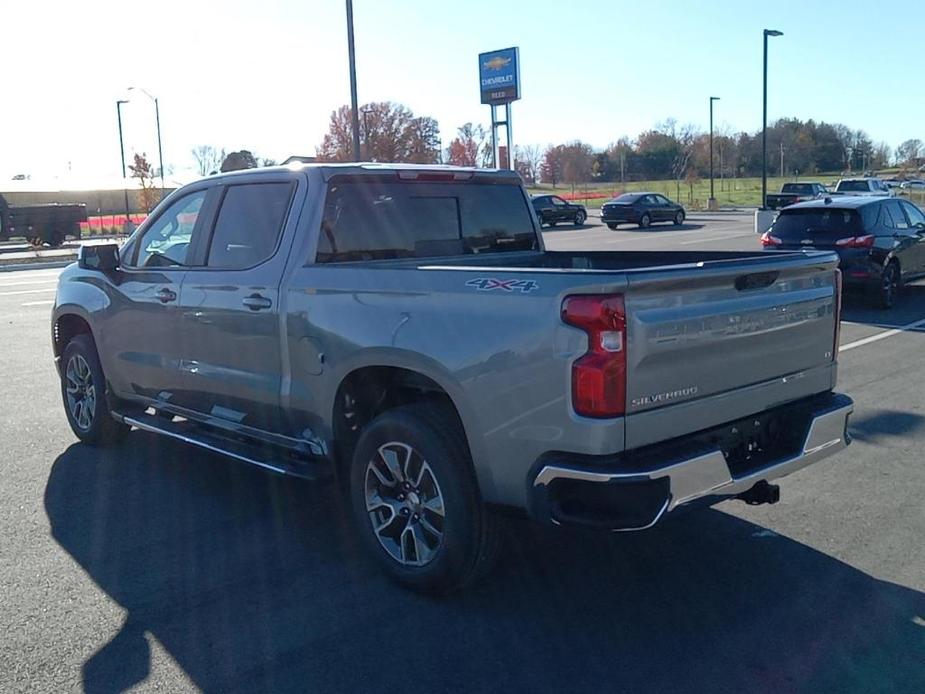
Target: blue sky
x,y
266,75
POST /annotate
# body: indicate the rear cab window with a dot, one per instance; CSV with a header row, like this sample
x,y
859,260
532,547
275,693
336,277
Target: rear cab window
x,y
249,224
377,219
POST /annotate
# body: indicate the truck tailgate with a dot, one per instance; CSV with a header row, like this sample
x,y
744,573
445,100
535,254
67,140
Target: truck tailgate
x,y
697,334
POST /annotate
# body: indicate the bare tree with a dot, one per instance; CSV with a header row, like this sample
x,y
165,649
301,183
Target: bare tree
x,y
529,158
687,140
208,159
142,170
909,150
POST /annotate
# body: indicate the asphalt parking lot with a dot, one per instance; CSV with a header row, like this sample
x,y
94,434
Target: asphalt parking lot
x,y
164,568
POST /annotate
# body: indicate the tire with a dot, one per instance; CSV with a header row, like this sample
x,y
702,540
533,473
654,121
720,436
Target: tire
x,y
83,391
612,226
580,218
410,463
645,221
890,284
679,218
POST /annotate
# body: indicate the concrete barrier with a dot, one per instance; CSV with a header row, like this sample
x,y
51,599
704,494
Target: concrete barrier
x,y
763,220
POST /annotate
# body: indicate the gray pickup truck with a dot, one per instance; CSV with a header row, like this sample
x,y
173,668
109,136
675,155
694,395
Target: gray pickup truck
x,y
404,329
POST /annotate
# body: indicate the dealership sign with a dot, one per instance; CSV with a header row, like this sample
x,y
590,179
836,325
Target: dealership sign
x,y
499,76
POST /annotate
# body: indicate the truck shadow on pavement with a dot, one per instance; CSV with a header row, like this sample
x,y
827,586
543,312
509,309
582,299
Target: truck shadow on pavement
x,y
253,582
862,308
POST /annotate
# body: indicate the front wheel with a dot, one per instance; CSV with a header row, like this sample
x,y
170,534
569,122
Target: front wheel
x,y
679,218
580,218
645,221
611,225
83,389
416,501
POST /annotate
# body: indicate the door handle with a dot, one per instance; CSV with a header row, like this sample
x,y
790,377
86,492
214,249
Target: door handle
x,y
166,295
255,302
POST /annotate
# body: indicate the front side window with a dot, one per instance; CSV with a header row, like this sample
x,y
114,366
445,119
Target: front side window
x,y
249,224
167,241
559,202
376,220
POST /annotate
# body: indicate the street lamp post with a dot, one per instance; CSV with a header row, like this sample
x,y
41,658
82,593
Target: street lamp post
x,y
764,122
353,82
119,103
366,112
157,118
712,203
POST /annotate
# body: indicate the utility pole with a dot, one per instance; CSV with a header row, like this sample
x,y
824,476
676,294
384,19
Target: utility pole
x,y
353,82
781,158
712,203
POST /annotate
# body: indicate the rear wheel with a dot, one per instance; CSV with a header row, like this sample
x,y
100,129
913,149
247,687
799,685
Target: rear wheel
x,y
416,501
645,221
889,285
679,218
83,390
580,218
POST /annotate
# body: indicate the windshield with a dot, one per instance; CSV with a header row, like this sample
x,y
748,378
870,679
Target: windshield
x,y
381,220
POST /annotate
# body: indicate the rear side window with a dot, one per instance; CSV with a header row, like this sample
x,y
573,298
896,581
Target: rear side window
x,y
249,224
817,223
893,209
376,220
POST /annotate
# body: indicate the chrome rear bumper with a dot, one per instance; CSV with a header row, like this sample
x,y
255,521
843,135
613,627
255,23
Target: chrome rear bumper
x,y
706,475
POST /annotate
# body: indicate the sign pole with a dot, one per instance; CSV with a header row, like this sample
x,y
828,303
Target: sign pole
x,y
510,137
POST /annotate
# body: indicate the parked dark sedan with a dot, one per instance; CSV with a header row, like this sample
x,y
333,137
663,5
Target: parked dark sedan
x,y
881,241
551,210
642,209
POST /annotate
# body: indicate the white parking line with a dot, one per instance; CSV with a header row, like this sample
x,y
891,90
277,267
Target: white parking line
x,y
39,303
28,291
50,280
882,336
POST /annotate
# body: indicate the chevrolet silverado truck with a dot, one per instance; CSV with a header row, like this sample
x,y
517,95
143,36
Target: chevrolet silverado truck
x,y
863,187
404,329
792,193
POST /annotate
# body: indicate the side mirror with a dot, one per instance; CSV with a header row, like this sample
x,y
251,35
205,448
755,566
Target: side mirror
x,y
102,258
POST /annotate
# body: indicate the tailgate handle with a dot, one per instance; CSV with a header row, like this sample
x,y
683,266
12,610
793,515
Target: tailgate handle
x,y
758,280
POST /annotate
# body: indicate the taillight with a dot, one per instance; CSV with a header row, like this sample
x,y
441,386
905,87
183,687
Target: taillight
x,y
599,376
866,241
838,290
769,240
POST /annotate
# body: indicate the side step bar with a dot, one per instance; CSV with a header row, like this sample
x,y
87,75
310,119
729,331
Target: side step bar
x,y
266,457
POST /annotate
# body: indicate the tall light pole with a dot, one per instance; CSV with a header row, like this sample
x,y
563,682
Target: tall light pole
x,y
122,154
712,202
366,112
353,83
764,122
157,118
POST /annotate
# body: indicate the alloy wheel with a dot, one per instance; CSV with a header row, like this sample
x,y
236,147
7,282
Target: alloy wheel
x,y
81,392
404,504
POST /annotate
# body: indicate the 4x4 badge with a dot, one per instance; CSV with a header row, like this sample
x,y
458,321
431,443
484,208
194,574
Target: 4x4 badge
x,y
487,284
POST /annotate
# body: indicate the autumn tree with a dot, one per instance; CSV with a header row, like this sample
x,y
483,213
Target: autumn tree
x,y
909,151
208,159
468,147
142,170
576,159
389,132
528,159
551,168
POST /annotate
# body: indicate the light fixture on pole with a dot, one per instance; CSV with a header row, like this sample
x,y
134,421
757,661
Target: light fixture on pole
x,y
157,118
353,82
712,203
122,155
764,122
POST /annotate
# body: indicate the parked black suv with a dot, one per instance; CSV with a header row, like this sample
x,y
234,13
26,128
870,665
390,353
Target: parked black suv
x,y
881,242
642,209
551,209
